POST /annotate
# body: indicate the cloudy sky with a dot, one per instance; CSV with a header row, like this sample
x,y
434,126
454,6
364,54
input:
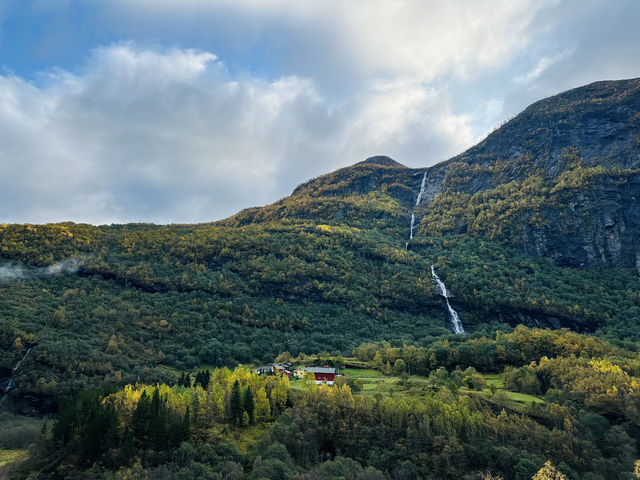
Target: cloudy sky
x,y
168,111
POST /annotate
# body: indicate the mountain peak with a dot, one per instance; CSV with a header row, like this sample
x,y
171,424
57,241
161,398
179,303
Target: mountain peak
x,y
381,160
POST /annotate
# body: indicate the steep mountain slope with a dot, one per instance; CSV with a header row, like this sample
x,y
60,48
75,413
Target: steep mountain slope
x,y
329,266
559,180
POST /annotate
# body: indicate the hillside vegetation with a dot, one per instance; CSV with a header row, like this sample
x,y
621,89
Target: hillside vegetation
x,y
537,225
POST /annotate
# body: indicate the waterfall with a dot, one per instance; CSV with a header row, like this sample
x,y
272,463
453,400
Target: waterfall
x,y
424,180
413,221
413,215
12,382
453,315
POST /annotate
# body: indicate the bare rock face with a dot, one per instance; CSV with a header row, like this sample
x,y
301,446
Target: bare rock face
x,y
599,227
600,120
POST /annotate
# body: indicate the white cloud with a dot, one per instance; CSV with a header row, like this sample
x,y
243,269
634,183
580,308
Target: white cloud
x,y
148,135
379,38
293,89
541,67
410,122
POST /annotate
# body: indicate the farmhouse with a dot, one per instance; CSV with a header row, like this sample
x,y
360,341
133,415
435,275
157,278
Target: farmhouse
x,y
265,370
323,374
282,369
276,368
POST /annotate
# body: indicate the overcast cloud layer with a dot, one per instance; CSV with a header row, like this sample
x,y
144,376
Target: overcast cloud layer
x,y
186,111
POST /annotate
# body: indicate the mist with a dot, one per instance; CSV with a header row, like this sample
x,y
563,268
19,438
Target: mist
x,y
14,272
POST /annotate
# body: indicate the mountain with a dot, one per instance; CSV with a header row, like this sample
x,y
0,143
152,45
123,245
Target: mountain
x,y
536,225
567,168
559,180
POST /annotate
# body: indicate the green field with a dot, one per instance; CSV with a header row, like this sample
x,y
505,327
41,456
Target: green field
x,y
361,373
375,383
495,380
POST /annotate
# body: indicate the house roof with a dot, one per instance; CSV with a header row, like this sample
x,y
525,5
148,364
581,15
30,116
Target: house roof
x,y
320,370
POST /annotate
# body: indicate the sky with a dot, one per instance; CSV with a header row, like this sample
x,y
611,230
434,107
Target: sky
x,y
176,111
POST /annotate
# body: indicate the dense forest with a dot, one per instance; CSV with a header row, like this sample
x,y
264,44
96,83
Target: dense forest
x,y
438,421
139,299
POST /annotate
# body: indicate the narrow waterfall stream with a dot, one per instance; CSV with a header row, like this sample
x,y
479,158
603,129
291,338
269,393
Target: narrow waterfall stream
x,y
424,180
413,215
413,221
456,324
12,382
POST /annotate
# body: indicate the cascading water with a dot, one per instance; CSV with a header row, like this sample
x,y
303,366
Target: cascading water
x,y
413,215
453,315
456,324
424,180
12,382
413,221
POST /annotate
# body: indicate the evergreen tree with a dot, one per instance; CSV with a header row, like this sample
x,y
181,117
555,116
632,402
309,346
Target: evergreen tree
x,y
195,402
140,420
235,404
249,404
186,425
185,380
126,449
179,428
203,378
158,422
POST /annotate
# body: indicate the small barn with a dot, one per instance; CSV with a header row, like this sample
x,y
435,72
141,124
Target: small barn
x,y
323,374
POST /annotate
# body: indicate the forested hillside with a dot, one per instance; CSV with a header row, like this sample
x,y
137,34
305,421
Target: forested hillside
x,y
538,225
561,402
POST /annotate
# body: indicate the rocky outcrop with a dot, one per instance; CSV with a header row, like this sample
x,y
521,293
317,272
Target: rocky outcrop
x,y
600,120
471,318
599,226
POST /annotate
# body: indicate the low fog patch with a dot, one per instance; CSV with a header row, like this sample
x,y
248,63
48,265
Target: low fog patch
x,y
14,272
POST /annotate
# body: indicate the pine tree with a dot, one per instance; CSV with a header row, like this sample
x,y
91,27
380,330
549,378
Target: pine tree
x,y
126,449
186,426
140,420
235,404
249,404
203,378
179,428
195,415
158,422
185,380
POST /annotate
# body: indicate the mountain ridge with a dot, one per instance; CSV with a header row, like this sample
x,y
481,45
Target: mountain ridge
x,y
588,135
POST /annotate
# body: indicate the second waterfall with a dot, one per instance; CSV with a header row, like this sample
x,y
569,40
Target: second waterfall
x,y
456,324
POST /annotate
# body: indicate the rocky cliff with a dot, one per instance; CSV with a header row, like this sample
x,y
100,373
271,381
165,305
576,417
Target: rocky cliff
x,y
591,133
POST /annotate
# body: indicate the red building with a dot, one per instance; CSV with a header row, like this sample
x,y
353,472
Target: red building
x,y
323,374
282,368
